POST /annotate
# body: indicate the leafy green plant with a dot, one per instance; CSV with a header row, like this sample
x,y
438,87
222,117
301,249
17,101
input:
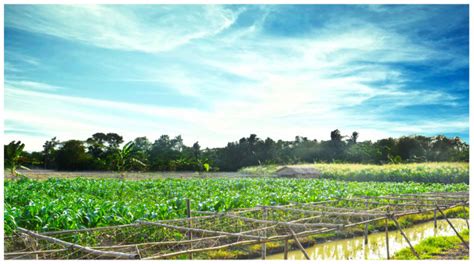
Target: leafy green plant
x,y
206,167
123,159
56,204
13,154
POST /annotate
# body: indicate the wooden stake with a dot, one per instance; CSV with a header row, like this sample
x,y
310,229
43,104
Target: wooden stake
x,y
138,252
406,238
299,244
435,220
190,233
386,233
285,254
455,231
264,246
366,229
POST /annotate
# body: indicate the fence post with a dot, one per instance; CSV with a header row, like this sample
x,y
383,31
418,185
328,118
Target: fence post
x,y
406,238
299,244
386,233
455,231
264,246
285,254
366,229
190,234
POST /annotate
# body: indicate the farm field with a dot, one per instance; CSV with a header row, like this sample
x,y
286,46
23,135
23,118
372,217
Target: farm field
x,y
56,204
442,172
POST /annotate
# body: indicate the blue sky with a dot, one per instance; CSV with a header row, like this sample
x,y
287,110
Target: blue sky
x,y
214,74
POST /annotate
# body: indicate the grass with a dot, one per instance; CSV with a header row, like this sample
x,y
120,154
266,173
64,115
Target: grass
x,y
442,172
433,246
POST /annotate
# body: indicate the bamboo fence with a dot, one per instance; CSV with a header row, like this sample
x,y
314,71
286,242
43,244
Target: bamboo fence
x,y
202,233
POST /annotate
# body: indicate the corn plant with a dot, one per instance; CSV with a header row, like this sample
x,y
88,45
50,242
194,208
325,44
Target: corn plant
x,y
56,204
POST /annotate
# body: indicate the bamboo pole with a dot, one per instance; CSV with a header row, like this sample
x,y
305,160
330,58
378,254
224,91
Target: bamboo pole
x,y
138,252
87,229
455,231
264,245
299,244
291,223
406,238
327,213
466,217
238,243
190,234
439,198
386,233
212,232
8,254
78,247
285,253
366,228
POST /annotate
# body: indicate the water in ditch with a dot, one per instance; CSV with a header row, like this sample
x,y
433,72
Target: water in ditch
x,y
354,248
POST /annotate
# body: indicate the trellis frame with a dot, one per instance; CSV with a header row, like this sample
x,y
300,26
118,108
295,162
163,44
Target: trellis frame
x,y
257,225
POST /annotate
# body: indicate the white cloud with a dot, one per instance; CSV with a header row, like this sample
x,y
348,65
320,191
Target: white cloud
x,y
32,85
157,29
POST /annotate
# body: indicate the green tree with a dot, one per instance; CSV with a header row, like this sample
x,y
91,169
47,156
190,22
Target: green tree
x,y
49,153
354,137
336,135
72,156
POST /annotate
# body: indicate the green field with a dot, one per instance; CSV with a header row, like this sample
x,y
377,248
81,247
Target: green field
x,y
56,204
442,172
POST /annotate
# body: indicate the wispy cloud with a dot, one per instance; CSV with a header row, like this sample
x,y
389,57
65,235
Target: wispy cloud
x,y
152,29
30,85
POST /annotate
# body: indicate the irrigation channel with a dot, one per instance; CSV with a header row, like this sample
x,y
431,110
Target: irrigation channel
x,y
204,232
355,248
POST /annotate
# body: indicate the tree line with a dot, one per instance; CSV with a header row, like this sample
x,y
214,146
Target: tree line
x,y
100,152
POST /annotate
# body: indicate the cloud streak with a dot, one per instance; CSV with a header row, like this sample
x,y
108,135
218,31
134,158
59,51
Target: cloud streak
x,y
121,27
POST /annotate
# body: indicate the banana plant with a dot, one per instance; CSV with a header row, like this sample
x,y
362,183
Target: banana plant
x,y
13,154
124,159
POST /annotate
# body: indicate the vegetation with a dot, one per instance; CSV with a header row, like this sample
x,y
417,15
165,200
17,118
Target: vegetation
x,y
443,172
433,246
13,154
56,204
123,159
171,154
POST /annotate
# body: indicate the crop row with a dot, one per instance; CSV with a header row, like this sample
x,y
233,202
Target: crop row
x,y
442,172
57,204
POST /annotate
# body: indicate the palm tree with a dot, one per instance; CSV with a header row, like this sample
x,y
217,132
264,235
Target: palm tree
x,y
13,154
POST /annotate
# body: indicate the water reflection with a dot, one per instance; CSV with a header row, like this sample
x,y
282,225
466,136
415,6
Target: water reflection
x,y
354,248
